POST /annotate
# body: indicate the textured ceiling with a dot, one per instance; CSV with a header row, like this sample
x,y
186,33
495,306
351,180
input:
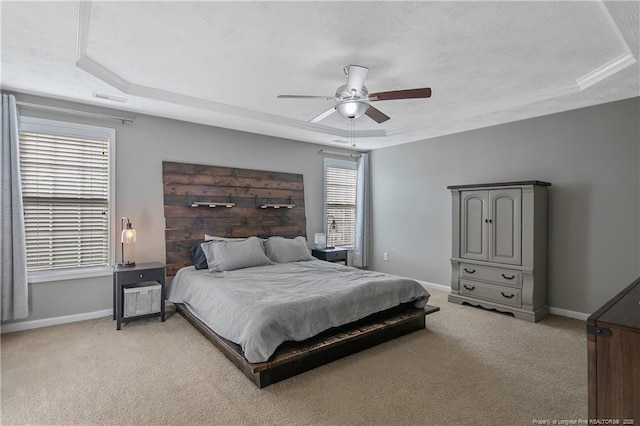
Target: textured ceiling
x,y
224,63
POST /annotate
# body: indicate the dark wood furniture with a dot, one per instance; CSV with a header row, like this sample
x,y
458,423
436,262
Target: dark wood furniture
x,y
336,254
293,358
613,344
185,184
138,275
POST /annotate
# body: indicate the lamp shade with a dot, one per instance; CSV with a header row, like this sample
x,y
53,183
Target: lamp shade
x,y
352,108
128,235
320,240
333,226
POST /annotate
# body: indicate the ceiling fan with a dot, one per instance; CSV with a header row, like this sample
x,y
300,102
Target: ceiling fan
x,y
352,99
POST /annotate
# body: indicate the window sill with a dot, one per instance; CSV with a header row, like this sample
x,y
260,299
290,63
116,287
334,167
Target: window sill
x,y
68,274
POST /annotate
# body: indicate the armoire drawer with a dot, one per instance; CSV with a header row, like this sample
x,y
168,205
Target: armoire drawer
x,y
508,277
494,293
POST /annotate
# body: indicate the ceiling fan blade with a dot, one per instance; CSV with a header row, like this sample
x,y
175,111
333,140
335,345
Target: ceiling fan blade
x,y
356,78
322,116
376,115
327,98
401,94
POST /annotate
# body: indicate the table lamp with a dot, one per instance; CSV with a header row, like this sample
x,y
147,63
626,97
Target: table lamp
x,y
128,236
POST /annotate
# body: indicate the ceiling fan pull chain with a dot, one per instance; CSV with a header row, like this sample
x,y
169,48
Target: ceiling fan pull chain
x,y
353,135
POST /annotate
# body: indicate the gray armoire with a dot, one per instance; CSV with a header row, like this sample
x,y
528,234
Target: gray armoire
x,y
499,247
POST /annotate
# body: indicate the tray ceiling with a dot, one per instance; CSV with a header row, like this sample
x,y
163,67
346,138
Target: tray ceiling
x,y
224,63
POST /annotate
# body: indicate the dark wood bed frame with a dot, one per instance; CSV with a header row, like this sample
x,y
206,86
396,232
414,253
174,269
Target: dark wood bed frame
x,y
185,226
293,358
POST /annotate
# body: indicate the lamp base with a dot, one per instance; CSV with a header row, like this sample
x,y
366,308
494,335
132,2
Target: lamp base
x,y
125,265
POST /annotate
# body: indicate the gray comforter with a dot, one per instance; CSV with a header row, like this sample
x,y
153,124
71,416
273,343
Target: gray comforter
x,y
261,307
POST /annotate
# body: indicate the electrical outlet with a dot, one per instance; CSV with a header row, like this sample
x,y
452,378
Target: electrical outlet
x,y
385,256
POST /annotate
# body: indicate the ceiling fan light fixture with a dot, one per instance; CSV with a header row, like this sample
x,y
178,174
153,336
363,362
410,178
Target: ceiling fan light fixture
x,y
352,109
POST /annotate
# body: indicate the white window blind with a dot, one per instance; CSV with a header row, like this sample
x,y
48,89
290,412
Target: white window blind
x,y
65,190
340,202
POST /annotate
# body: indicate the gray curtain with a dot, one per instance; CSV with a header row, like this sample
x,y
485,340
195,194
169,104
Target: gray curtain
x,y
13,253
360,256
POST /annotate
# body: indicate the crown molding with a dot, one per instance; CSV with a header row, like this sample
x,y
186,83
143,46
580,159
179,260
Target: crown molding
x,y
606,70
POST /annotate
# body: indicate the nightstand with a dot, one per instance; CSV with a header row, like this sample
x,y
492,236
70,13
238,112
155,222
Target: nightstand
x,y
336,254
136,289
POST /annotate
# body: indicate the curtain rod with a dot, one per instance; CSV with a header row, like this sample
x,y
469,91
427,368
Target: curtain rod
x,y
342,154
73,111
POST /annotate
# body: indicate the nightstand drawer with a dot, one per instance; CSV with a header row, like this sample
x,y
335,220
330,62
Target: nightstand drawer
x,y
336,255
131,277
494,293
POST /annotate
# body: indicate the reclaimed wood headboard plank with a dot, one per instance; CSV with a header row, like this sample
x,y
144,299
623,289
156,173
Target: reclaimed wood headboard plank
x,y
184,183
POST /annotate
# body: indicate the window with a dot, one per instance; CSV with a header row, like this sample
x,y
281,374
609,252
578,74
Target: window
x,y
66,191
340,201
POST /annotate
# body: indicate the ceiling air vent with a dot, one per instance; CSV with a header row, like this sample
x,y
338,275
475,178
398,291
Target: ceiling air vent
x,y
108,97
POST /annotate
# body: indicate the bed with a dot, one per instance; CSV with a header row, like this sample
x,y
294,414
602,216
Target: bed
x,y
339,310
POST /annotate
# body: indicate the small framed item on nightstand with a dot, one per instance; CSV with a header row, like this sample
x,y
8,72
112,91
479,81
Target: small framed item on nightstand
x,y
138,292
336,254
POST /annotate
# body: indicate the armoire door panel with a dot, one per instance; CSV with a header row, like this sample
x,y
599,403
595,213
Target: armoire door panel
x,y
474,242
505,224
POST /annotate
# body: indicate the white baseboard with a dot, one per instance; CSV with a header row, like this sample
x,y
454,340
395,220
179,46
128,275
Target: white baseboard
x,y
555,311
569,314
47,322
435,286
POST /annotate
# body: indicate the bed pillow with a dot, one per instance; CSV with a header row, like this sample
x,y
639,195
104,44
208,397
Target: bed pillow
x,y
198,256
232,255
285,250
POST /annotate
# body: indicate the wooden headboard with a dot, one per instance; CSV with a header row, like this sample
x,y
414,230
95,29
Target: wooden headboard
x,y
185,184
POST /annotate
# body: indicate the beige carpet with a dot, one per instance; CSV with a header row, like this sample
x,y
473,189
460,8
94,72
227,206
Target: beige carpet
x,y
470,366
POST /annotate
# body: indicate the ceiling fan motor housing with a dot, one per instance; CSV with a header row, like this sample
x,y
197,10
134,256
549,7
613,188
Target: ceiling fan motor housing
x,y
342,94
352,104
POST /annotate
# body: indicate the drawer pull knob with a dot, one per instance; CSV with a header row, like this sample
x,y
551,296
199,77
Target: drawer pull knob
x,y
471,288
141,275
508,297
469,271
508,278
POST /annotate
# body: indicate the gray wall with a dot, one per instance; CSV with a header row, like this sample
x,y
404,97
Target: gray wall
x,y
140,149
591,156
